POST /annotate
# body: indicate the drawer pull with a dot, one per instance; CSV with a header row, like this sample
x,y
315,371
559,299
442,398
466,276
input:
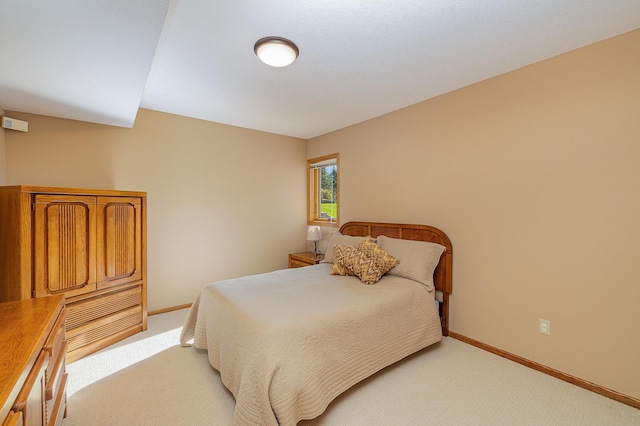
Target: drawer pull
x,y
51,340
55,375
36,374
60,404
14,419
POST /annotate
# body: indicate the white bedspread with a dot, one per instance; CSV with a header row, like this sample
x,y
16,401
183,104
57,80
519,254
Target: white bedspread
x,y
288,342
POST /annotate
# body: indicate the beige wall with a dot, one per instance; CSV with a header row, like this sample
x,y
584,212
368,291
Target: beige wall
x,y
535,176
222,201
2,152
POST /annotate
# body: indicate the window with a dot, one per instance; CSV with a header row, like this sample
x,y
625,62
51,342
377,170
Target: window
x,y
323,186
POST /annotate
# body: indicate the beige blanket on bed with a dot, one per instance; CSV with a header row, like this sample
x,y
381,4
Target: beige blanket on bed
x,y
288,342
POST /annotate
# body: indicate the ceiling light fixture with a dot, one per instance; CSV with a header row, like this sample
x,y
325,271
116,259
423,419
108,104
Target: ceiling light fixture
x,y
276,51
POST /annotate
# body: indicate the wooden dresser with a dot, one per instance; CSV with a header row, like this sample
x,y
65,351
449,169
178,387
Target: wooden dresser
x,y
88,245
33,377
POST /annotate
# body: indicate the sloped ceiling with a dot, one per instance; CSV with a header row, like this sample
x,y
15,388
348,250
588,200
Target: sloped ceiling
x,y
99,61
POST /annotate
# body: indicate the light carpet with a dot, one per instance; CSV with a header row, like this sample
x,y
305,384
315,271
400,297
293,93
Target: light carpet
x,y
148,379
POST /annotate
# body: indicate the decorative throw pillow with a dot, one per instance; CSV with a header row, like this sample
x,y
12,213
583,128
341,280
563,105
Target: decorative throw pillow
x,y
338,266
368,261
338,239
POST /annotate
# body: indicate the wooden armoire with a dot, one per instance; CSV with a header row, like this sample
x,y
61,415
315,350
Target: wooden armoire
x,y
89,245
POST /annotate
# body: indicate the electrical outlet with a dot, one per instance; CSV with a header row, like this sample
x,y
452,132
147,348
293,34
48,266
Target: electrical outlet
x,y
544,327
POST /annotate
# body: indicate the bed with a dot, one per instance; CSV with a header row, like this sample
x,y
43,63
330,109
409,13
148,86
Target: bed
x,y
288,342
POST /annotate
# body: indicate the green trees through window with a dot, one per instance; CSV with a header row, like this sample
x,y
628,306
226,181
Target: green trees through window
x,y
323,189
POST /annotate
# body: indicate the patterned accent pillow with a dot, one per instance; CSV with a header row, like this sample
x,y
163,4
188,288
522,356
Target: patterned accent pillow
x,y
368,261
338,266
338,239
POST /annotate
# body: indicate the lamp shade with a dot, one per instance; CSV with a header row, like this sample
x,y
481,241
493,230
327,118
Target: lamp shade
x,y
314,233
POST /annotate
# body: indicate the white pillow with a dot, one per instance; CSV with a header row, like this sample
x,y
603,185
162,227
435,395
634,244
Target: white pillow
x,y
338,239
418,259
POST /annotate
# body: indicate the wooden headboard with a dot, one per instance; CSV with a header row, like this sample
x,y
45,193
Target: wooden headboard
x,y
443,272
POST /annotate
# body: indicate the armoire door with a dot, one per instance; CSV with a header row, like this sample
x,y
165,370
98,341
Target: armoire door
x,y
119,240
64,244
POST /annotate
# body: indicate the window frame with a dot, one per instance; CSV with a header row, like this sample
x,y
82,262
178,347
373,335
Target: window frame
x,y
313,191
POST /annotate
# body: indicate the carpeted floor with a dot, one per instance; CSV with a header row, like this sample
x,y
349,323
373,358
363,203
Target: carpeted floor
x,y
149,379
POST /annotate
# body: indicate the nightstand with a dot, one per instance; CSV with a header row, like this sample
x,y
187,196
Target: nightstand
x,y
307,258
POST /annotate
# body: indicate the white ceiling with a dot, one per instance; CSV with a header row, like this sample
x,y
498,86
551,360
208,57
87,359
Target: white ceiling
x,y
99,61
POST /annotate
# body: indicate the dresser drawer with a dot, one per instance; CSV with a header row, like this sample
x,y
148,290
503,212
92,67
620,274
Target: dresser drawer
x,y
55,408
104,327
55,346
34,334
90,309
96,321
299,260
29,400
55,373
294,263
